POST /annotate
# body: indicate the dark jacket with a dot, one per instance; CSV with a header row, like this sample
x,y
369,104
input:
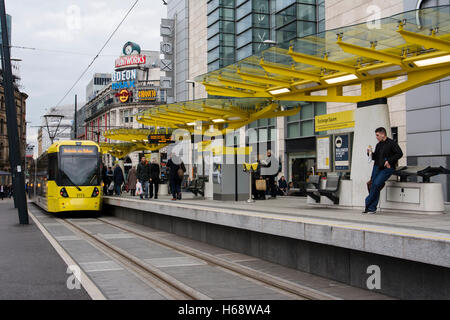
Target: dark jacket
x,y
388,150
173,175
282,184
143,172
154,172
118,176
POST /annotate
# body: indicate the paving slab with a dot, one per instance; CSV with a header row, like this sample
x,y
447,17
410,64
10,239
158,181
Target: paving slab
x,y
30,268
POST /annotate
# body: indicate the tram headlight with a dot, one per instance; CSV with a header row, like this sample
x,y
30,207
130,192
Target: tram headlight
x,y
95,193
64,193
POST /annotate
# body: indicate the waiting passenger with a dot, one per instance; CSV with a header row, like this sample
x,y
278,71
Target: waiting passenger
x,y
176,175
143,175
282,185
132,181
118,180
386,156
155,172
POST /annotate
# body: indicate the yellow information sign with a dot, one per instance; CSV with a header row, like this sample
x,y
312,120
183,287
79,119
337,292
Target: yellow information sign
x,y
335,121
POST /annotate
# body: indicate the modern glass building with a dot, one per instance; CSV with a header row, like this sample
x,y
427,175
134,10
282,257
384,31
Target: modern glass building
x,y
238,29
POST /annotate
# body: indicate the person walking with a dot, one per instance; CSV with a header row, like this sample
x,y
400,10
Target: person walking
x,y
132,181
143,175
2,191
155,172
386,156
176,175
269,171
118,180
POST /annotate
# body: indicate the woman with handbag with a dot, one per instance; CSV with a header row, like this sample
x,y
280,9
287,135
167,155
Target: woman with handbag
x,y
259,184
176,176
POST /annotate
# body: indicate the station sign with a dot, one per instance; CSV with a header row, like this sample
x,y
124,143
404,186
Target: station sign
x,y
147,95
160,139
335,121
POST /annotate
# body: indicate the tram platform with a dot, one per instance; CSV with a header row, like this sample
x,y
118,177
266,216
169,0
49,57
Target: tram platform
x,y
336,243
30,268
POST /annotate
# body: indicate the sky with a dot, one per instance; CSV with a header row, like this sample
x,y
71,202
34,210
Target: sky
x,y
66,36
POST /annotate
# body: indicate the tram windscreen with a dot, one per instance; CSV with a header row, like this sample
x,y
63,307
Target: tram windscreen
x,y
79,166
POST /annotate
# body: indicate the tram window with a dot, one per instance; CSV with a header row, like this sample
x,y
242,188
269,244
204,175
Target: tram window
x,y
52,166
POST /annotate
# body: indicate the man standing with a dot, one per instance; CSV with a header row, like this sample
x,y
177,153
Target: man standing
x,y
154,179
143,175
386,156
269,171
118,180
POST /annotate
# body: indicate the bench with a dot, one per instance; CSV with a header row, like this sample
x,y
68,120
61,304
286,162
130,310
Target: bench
x,y
197,187
312,188
332,188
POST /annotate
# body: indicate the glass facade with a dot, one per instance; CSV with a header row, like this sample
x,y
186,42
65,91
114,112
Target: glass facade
x,y
237,29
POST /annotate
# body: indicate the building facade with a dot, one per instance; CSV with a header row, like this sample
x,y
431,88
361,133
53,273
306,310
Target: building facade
x,y
98,82
134,87
20,99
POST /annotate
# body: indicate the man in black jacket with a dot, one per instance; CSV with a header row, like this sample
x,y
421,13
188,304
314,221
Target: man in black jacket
x,y
386,156
143,175
154,179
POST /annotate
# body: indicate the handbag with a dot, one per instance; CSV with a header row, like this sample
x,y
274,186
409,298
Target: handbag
x,y
138,188
261,185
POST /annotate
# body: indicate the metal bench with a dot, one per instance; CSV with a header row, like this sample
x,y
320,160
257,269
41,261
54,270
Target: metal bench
x,y
332,188
197,187
312,188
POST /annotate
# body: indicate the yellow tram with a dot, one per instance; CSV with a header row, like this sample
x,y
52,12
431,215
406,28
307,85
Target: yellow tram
x,y
68,177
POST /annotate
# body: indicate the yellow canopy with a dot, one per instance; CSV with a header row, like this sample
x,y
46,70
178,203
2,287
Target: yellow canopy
x,y
412,47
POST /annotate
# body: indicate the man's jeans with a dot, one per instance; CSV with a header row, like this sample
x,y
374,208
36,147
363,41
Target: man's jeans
x,y
118,189
379,177
144,189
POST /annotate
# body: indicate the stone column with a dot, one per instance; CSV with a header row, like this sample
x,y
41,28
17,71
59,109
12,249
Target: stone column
x,y
369,116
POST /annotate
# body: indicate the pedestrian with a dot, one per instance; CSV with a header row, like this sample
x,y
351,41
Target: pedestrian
x,y
109,180
283,186
386,156
118,180
155,172
132,181
2,191
104,172
269,171
143,175
176,175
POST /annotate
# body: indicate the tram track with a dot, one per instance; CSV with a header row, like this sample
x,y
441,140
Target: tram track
x,y
176,288
168,286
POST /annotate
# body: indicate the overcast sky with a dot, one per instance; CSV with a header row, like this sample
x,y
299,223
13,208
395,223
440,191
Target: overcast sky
x,y
67,34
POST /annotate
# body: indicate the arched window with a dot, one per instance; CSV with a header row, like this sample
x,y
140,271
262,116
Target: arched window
x,y
2,126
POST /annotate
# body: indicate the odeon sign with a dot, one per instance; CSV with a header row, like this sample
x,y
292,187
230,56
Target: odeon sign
x,y
124,79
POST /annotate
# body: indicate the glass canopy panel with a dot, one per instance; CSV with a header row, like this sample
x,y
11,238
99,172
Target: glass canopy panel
x,y
381,34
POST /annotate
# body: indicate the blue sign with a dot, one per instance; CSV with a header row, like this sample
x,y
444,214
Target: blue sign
x,y
342,152
123,85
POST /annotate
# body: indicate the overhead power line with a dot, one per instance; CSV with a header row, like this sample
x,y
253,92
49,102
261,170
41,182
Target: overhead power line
x,y
59,51
98,54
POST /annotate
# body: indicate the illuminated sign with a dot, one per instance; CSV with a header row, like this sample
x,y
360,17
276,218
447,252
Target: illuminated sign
x,y
78,150
130,61
124,79
124,95
160,138
147,95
